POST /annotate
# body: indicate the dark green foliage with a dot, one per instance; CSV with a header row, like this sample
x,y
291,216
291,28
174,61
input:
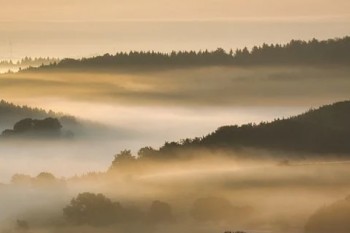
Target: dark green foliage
x,y
314,52
92,209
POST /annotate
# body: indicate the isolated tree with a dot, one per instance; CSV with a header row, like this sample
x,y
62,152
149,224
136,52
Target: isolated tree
x,y
92,209
45,178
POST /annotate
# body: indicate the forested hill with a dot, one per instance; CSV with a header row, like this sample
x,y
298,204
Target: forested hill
x,y
314,52
11,113
324,130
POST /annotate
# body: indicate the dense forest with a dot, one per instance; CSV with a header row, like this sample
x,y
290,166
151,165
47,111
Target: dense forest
x,y
324,130
296,52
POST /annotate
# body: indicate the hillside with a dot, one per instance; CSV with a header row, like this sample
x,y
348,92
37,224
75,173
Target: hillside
x,y
296,52
11,113
324,130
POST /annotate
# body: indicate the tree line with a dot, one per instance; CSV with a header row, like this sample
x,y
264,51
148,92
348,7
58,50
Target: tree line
x,y
296,52
27,62
318,131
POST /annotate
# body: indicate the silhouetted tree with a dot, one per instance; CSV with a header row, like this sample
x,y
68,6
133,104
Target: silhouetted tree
x,y
124,158
29,127
146,152
23,125
92,209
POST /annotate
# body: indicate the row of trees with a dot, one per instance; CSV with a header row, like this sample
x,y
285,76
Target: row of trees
x,y
98,210
333,51
11,113
29,61
11,109
43,179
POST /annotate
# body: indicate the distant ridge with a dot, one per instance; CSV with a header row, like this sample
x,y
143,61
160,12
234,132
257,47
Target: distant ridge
x,y
296,52
325,130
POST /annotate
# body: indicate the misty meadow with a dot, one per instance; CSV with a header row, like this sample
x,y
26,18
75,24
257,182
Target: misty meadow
x,y
176,117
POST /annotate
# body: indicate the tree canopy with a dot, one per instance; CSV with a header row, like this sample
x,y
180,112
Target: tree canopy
x,y
32,127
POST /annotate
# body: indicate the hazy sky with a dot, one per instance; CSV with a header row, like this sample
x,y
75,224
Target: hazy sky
x,y
89,27
95,10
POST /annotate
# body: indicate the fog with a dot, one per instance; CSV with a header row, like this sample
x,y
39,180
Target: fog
x,y
140,109
207,87
262,195
119,144
133,109
93,149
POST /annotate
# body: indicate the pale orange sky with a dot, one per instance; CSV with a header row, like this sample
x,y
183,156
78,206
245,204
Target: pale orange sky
x,y
96,10
75,28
